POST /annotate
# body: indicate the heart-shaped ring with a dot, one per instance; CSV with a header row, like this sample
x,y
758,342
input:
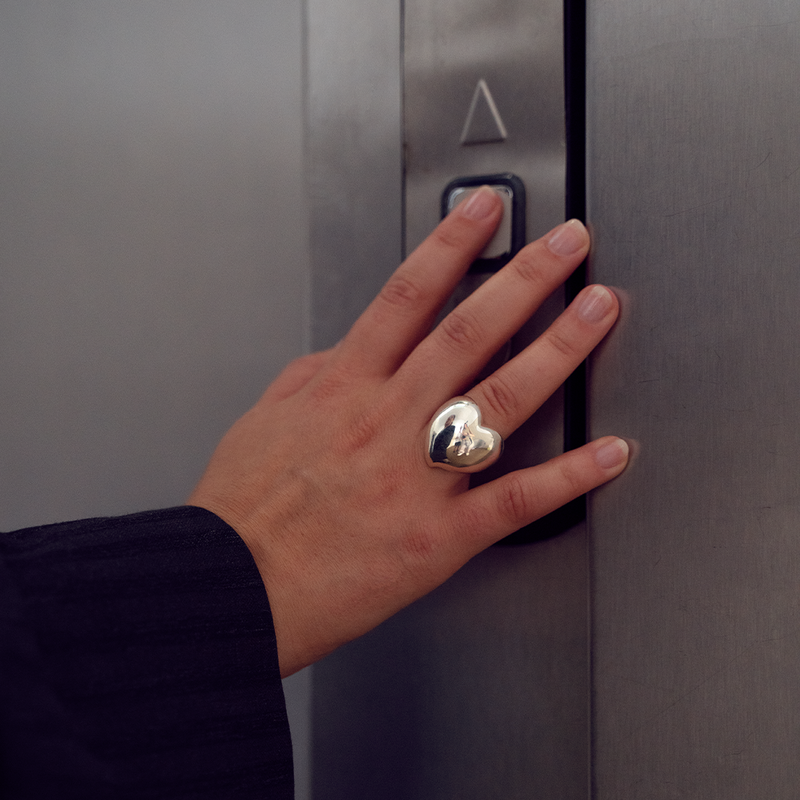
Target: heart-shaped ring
x,y
457,440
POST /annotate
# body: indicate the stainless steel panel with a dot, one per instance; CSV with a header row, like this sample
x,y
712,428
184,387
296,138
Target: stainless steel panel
x,y
354,157
694,203
516,48
477,691
480,690
453,50
354,184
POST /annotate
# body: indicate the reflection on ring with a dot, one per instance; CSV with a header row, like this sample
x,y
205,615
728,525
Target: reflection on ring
x,y
457,439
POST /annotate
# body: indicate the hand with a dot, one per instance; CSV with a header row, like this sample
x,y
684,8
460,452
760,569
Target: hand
x,y
326,479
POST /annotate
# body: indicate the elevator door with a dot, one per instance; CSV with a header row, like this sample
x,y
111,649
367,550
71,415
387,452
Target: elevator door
x,y
694,176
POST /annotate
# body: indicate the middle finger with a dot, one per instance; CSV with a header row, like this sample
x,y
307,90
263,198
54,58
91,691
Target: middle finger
x,y
448,359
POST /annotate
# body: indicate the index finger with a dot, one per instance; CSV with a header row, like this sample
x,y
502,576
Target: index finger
x,y
402,314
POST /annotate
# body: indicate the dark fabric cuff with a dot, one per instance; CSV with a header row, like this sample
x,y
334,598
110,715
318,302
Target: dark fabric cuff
x,y
138,659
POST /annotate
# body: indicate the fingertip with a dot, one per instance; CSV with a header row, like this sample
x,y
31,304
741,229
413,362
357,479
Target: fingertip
x,y
568,238
612,454
480,204
595,303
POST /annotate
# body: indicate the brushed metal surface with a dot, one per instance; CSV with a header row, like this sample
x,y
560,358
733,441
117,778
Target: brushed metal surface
x,y
477,691
516,48
353,157
694,176
454,49
480,690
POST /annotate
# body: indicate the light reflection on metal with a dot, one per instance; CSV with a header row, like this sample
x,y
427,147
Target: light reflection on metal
x,y
484,123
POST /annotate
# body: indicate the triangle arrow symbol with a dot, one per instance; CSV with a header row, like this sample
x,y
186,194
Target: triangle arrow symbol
x,y
484,123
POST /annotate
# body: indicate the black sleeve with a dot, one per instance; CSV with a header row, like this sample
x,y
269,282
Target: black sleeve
x,y
138,660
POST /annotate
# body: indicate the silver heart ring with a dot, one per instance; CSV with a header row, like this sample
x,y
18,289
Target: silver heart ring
x,y
457,441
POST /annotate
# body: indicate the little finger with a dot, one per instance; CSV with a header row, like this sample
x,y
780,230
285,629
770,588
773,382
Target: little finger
x,y
490,512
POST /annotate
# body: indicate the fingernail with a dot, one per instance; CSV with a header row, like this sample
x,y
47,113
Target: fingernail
x,y
612,454
568,238
595,304
480,204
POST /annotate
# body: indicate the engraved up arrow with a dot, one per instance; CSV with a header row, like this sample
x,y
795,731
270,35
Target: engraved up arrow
x,y
484,123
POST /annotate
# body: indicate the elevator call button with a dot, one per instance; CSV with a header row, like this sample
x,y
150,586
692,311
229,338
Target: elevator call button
x,y
510,235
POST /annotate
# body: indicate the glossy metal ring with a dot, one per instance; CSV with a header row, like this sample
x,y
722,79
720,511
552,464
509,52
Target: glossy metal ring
x,y
457,441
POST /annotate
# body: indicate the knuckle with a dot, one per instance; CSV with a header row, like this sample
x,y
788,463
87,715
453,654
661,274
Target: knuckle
x,y
299,367
294,376
333,385
528,266
499,397
516,500
307,365
326,388
449,236
360,432
461,329
564,344
402,292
